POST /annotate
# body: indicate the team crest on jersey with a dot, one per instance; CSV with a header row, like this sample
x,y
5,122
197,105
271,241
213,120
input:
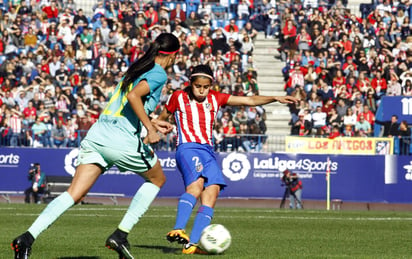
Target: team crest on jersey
x,y
199,167
207,106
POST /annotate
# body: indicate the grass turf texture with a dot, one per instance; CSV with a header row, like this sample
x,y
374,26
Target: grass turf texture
x,y
256,233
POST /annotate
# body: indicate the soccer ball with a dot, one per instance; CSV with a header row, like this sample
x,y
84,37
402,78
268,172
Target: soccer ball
x,y
215,239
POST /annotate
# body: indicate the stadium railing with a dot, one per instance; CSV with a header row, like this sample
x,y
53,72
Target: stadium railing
x,y
240,143
6,194
56,185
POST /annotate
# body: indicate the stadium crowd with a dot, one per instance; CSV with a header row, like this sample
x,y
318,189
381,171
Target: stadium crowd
x,y
59,66
340,66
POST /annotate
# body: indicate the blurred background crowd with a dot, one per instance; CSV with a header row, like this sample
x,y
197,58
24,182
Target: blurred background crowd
x,y
340,65
59,64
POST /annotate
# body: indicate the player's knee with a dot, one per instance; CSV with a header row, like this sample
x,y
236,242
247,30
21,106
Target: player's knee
x,y
159,180
76,197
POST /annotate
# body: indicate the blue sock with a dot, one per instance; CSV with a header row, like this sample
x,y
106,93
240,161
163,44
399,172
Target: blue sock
x,y
54,210
203,218
139,205
184,209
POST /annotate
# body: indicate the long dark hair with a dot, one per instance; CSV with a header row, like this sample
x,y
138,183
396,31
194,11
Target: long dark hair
x,y
165,44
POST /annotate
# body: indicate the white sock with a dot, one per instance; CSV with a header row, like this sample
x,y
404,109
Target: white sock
x,y
53,211
139,205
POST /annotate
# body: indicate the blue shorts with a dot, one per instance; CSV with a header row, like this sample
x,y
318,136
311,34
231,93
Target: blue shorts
x,y
196,160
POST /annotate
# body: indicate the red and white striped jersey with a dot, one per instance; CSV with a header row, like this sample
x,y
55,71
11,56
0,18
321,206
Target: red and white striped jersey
x,y
15,123
195,120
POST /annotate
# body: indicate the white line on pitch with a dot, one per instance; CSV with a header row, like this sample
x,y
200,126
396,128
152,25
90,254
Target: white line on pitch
x,y
252,217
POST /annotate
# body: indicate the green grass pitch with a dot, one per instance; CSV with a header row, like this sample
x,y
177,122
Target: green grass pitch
x,y
256,233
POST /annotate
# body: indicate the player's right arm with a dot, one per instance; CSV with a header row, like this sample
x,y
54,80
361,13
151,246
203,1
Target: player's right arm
x,y
164,115
169,108
161,124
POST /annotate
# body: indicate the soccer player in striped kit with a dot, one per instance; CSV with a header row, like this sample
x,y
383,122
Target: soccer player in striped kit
x,y
195,110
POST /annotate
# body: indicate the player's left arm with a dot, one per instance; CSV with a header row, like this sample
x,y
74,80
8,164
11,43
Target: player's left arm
x,y
259,100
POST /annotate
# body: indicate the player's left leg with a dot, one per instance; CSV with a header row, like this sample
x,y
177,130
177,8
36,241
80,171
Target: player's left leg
x,y
84,178
139,205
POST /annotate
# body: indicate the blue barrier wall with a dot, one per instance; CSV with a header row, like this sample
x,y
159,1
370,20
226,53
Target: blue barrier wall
x,y
399,105
394,105
353,178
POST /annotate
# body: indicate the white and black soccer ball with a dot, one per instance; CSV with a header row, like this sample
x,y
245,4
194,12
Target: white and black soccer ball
x,y
215,239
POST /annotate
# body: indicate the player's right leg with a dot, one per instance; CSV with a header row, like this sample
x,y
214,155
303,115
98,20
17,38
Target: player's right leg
x,y
185,207
22,245
194,183
118,242
203,218
83,180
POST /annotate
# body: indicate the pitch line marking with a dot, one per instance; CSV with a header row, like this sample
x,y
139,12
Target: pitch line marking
x,y
243,217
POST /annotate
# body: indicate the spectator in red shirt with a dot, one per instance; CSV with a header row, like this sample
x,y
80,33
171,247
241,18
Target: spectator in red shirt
x,y
232,23
51,11
335,132
289,37
339,79
45,65
363,83
367,114
201,41
231,55
30,112
346,45
349,66
379,83
230,136
296,77
303,40
177,13
152,16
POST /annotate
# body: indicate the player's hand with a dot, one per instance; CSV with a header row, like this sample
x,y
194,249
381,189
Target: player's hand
x,y
151,137
163,127
287,99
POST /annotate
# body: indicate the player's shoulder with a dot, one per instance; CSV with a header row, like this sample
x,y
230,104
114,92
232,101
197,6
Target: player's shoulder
x,y
156,73
215,93
223,97
178,93
176,96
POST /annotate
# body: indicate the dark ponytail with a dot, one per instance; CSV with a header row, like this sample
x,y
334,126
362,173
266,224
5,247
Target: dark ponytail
x,y
165,44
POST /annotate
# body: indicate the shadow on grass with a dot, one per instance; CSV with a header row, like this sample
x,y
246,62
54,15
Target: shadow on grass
x,y
164,249
80,257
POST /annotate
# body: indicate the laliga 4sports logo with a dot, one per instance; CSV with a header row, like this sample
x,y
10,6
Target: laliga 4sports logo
x,y
408,168
70,161
236,166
